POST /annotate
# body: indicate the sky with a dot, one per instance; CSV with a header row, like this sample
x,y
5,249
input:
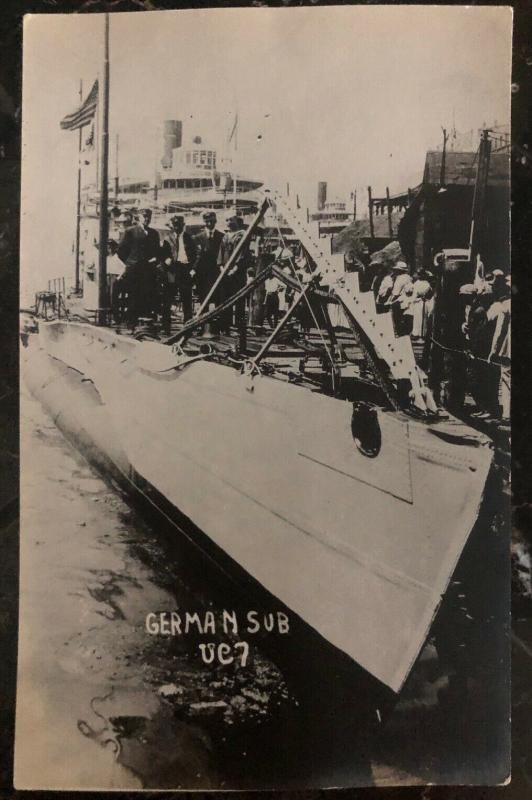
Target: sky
x,y
353,95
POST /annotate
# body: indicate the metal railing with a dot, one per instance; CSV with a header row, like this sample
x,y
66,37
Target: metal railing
x,y
57,286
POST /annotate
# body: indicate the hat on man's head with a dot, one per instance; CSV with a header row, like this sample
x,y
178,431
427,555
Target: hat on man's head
x,y
425,274
209,215
497,274
176,218
400,267
145,211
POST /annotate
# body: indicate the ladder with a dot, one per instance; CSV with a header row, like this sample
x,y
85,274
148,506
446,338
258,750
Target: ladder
x,y
360,308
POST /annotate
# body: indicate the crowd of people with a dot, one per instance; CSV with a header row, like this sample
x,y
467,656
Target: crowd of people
x,y
464,328
150,276
471,355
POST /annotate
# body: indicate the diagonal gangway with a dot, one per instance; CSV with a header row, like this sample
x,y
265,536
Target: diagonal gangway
x,y
391,356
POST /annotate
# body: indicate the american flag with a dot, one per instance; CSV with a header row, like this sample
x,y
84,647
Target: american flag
x,y
84,114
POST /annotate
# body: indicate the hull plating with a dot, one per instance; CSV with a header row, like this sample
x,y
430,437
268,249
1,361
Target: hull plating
x,y
360,548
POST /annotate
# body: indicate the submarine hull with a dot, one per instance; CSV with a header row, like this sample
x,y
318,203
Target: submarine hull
x,y
360,548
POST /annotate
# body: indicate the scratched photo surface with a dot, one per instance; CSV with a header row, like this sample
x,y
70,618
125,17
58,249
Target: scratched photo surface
x,y
264,417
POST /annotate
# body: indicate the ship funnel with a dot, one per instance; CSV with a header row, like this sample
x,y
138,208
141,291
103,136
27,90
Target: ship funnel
x,y
172,138
322,195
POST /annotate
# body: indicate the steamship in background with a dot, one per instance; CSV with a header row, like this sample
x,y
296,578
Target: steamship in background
x,y
331,216
190,179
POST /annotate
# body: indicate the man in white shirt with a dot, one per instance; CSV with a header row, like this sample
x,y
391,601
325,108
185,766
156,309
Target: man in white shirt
x,y
115,272
400,299
500,351
383,288
179,256
206,267
271,301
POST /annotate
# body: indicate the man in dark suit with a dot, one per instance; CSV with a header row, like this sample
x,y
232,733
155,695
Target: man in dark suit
x,y
208,248
140,250
235,279
179,259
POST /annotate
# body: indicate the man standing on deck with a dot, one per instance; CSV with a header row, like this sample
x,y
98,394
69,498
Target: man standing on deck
x,y
115,275
208,244
179,256
235,279
140,249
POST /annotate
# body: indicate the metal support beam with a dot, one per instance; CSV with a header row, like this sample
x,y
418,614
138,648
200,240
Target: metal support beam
x,y
235,255
200,320
280,325
294,284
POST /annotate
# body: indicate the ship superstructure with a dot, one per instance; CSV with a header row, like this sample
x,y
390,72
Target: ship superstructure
x,y
331,215
191,176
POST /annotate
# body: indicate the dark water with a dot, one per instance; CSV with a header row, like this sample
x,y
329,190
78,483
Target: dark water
x,y
104,704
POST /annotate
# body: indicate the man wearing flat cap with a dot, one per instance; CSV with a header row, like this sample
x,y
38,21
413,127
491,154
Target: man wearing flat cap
x,y
179,258
139,249
208,244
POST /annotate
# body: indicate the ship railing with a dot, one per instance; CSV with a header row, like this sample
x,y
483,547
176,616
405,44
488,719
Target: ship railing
x,y
57,286
53,301
50,304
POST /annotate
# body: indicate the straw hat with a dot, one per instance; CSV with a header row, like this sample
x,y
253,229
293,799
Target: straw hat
x,y
400,267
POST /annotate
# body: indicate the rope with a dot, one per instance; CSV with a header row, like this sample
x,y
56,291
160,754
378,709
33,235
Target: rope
x,y
331,358
466,353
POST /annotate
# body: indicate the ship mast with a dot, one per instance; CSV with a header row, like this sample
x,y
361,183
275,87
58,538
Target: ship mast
x,y
117,179
78,199
104,188
478,215
234,162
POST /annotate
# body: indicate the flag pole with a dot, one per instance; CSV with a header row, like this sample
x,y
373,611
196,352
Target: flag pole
x,y
78,202
104,179
234,161
117,182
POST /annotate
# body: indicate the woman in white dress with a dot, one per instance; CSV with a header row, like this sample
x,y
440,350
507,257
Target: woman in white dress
x,y
422,303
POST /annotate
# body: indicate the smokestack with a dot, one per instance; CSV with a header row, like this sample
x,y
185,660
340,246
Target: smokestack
x,y
172,137
322,195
